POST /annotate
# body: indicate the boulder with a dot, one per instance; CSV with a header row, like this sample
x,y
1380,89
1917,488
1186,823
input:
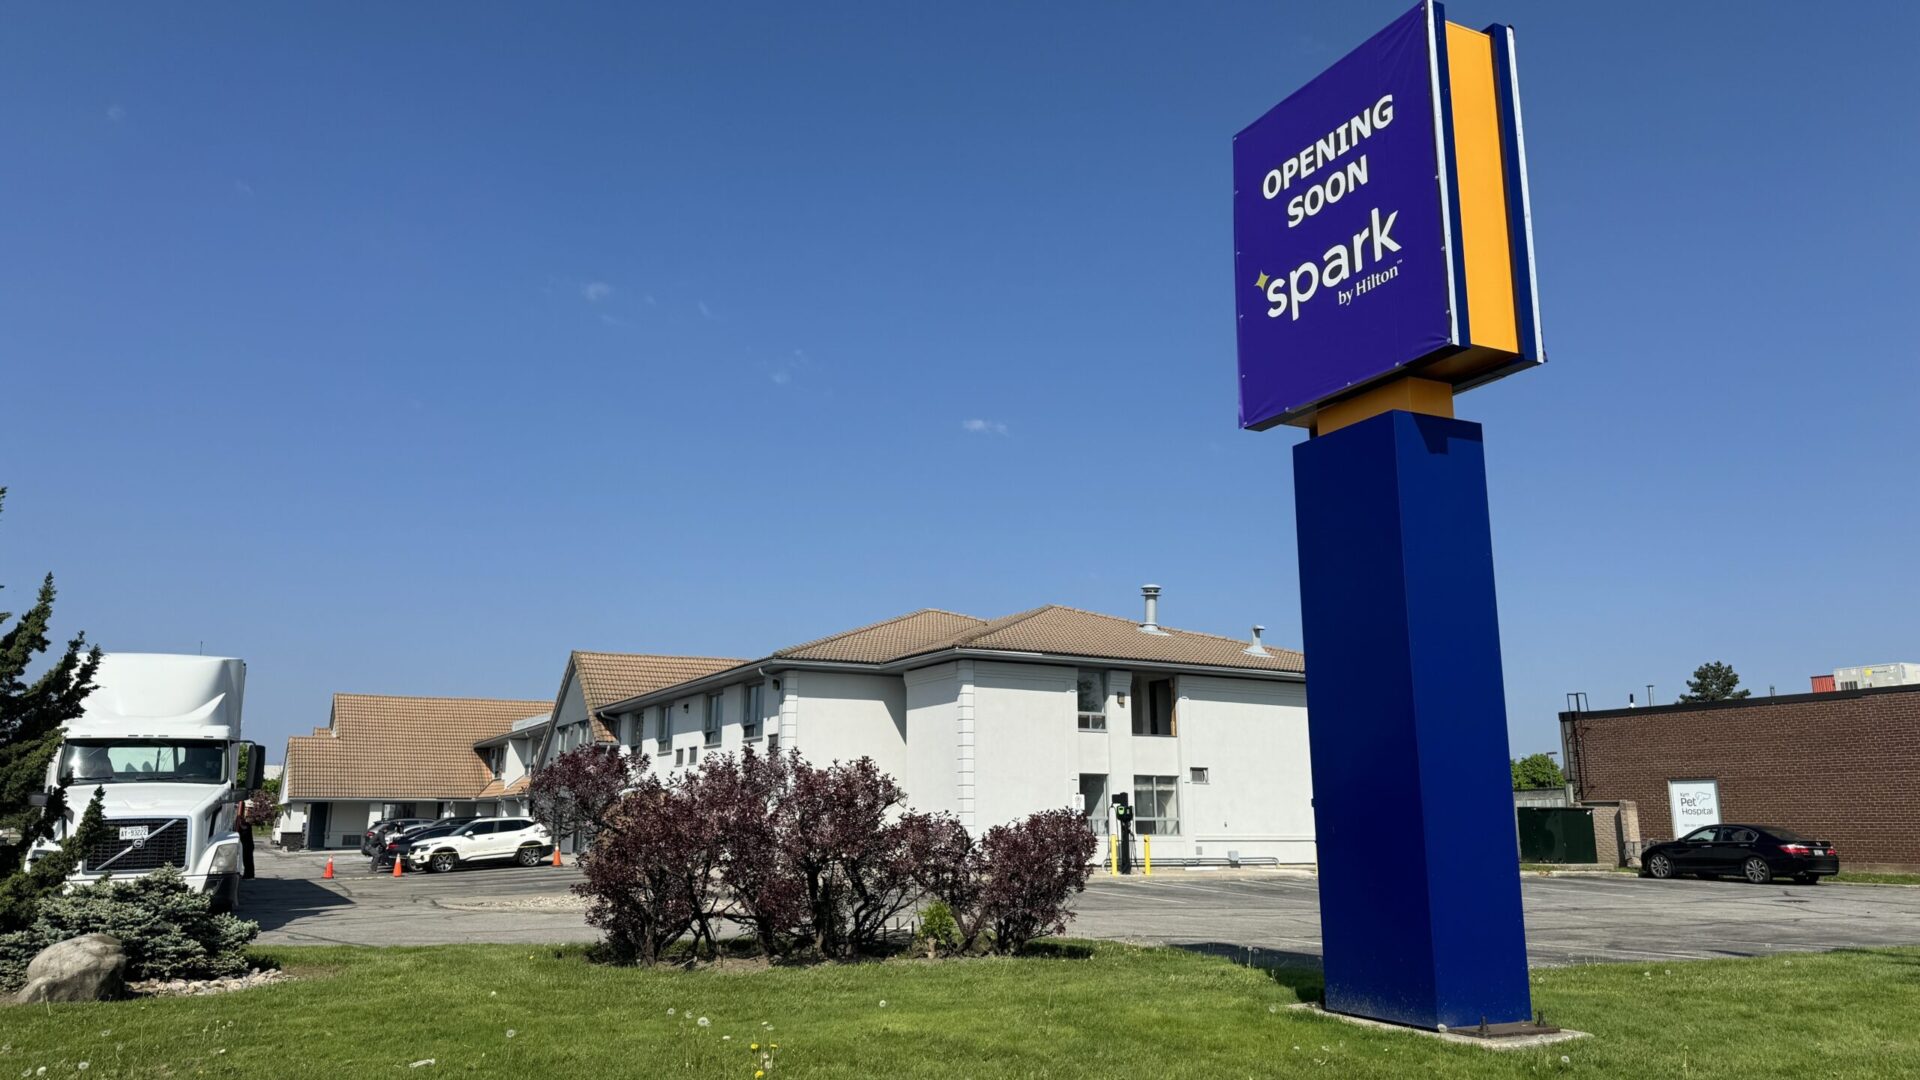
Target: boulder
x,y
91,967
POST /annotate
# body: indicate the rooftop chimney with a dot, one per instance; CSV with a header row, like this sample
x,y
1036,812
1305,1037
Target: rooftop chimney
x,y
1258,648
1151,593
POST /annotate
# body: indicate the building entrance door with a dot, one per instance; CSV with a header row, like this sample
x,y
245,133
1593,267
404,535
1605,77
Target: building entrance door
x,y
317,825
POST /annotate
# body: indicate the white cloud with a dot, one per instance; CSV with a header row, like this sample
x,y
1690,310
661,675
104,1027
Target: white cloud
x,y
116,113
983,427
612,320
596,291
705,311
781,377
243,187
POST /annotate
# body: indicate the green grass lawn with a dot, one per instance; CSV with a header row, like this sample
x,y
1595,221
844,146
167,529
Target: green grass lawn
x,y
1850,877
1115,1011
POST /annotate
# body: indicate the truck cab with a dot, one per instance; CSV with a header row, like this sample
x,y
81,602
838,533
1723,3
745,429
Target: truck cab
x,y
160,734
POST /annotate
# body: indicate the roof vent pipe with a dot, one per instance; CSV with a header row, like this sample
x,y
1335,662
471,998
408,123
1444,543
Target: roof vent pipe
x,y
1151,594
1258,648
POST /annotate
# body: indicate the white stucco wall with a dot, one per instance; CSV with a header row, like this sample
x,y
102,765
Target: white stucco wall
x,y
931,774
571,714
843,716
1025,752
1251,737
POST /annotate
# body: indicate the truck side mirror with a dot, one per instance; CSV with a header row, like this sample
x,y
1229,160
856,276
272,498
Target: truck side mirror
x,y
38,798
256,766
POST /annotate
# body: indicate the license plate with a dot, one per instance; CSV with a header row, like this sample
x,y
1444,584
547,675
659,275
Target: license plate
x,y
133,832
1819,851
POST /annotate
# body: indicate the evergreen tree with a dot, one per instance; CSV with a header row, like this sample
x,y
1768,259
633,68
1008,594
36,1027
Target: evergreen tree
x,y
33,715
1714,681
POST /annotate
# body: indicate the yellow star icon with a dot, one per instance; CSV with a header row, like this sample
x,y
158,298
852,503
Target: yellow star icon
x,y
1260,282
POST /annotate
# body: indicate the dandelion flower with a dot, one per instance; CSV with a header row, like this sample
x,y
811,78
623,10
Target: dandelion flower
x,y
511,1033
670,1012
883,1003
1565,1060
704,1021
758,1073
753,1046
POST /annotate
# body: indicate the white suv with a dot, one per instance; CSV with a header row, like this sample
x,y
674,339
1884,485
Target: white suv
x,y
521,839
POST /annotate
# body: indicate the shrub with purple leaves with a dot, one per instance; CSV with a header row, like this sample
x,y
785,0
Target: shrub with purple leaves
x,y
1029,871
819,861
577,792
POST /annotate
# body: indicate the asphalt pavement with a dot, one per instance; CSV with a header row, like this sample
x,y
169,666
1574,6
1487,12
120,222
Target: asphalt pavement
x,y
1267,917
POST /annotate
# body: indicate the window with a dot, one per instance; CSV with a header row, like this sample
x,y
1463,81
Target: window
x,y
1156,807
1152,705
1197,776
1093,796
663,734
1093,700
693,754
680,756
88,762
711,727
773,743
498,755
750,710
1702,836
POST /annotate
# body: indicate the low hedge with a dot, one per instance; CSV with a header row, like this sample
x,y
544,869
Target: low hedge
x,y
168,930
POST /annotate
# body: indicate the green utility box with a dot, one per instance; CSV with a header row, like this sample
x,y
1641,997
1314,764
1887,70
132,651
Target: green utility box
x,y
1557,834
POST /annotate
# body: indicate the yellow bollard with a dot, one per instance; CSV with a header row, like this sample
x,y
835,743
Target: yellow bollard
x,y
1146,854
1113,856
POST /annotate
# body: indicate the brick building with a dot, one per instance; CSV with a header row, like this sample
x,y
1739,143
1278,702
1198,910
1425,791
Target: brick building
x,y
1841,766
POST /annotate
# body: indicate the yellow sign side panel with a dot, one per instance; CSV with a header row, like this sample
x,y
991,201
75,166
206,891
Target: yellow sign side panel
x,y
1485,245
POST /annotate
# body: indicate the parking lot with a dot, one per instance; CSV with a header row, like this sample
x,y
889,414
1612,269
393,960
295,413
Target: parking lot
x,y
1266,917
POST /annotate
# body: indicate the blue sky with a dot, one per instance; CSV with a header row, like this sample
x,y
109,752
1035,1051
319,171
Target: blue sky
x,y
404,348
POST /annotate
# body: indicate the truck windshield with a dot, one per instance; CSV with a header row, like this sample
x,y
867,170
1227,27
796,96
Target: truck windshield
x,y
140,760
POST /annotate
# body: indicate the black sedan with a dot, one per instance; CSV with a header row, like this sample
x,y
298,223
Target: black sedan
x,y
1758,853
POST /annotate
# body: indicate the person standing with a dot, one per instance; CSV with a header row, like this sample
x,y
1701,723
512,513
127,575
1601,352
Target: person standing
x,y
243,823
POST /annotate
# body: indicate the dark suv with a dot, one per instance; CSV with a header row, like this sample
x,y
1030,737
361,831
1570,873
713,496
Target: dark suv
x,y
377,833
394,844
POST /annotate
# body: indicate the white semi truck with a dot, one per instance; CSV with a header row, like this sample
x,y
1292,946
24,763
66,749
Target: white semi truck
x,y
161,735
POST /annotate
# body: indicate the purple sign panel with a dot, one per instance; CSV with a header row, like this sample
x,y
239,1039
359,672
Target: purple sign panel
x,y
1342,268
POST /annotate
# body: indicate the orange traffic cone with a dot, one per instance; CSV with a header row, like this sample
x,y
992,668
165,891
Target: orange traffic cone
x,y
327,875
398,862
556,855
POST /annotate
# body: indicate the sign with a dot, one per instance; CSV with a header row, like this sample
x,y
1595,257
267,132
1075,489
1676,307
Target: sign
x,y
1380,224
133,832
1695,803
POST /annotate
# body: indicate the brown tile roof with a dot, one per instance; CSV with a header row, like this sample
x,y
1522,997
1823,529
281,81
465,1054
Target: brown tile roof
x,y
891,639
495,789
1073,632
395,748
609,677
1053,629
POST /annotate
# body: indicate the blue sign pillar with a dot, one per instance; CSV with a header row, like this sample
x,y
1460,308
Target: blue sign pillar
x,y
1419,872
